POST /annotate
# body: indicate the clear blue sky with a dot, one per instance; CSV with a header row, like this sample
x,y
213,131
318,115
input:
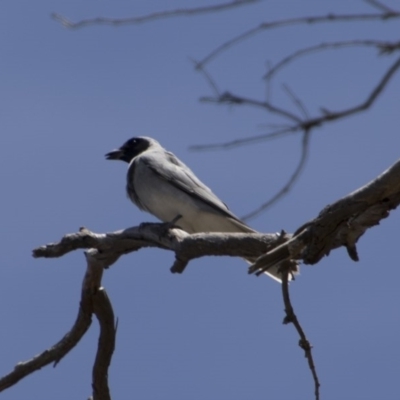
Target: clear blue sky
x,y
68,97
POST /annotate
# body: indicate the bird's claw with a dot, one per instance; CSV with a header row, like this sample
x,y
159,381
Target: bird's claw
x,y
166,226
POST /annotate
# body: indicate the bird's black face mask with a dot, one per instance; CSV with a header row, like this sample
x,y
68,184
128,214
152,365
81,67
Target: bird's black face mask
x,y
129,150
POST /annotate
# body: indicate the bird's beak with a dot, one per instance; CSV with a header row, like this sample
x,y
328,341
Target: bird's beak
x,y
115,155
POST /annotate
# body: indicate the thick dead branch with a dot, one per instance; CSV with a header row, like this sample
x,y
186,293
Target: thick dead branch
x,y
186,247
182,12
340,224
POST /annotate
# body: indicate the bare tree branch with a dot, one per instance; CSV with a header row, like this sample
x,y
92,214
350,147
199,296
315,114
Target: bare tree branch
x,y
289,184
182,12
291,318
92,300
229,98
209,79
384,47
245,141
340,224
297,102
186,247
304,125
103,310
384,15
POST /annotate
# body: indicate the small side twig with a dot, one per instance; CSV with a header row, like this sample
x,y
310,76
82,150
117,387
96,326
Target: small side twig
x,y
380,6
229,98
210,80
245,141
105,315
291,318
297,102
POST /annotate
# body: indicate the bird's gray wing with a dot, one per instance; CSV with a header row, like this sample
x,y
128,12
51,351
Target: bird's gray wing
x,y
169,167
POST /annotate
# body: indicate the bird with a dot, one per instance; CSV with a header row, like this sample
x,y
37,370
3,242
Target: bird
x,y
161,184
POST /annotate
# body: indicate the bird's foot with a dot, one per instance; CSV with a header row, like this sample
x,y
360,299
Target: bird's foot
x,y
166,226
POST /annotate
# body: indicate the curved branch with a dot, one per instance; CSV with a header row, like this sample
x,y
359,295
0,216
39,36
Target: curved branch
x,y
105,315
91,283
245,141
383,47
289,184
384,15
182,12
229,98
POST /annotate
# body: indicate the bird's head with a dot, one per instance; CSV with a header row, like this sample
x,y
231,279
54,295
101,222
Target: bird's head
x,y
130,149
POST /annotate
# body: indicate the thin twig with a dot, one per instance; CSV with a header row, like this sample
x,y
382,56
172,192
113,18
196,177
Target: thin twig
x,y
229,98
210,80
297,21
291,318
289,184
377,90
245,141
182,12
268,85
297,102
380,6
384,47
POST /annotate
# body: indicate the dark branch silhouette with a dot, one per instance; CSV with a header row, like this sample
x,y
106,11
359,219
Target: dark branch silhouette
x,y
288,185
182,12
302,124
311,20
291,318
379,5
93,301
383,47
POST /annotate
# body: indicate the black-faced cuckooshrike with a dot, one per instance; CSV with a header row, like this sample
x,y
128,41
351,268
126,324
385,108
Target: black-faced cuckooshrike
x,y
159,183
